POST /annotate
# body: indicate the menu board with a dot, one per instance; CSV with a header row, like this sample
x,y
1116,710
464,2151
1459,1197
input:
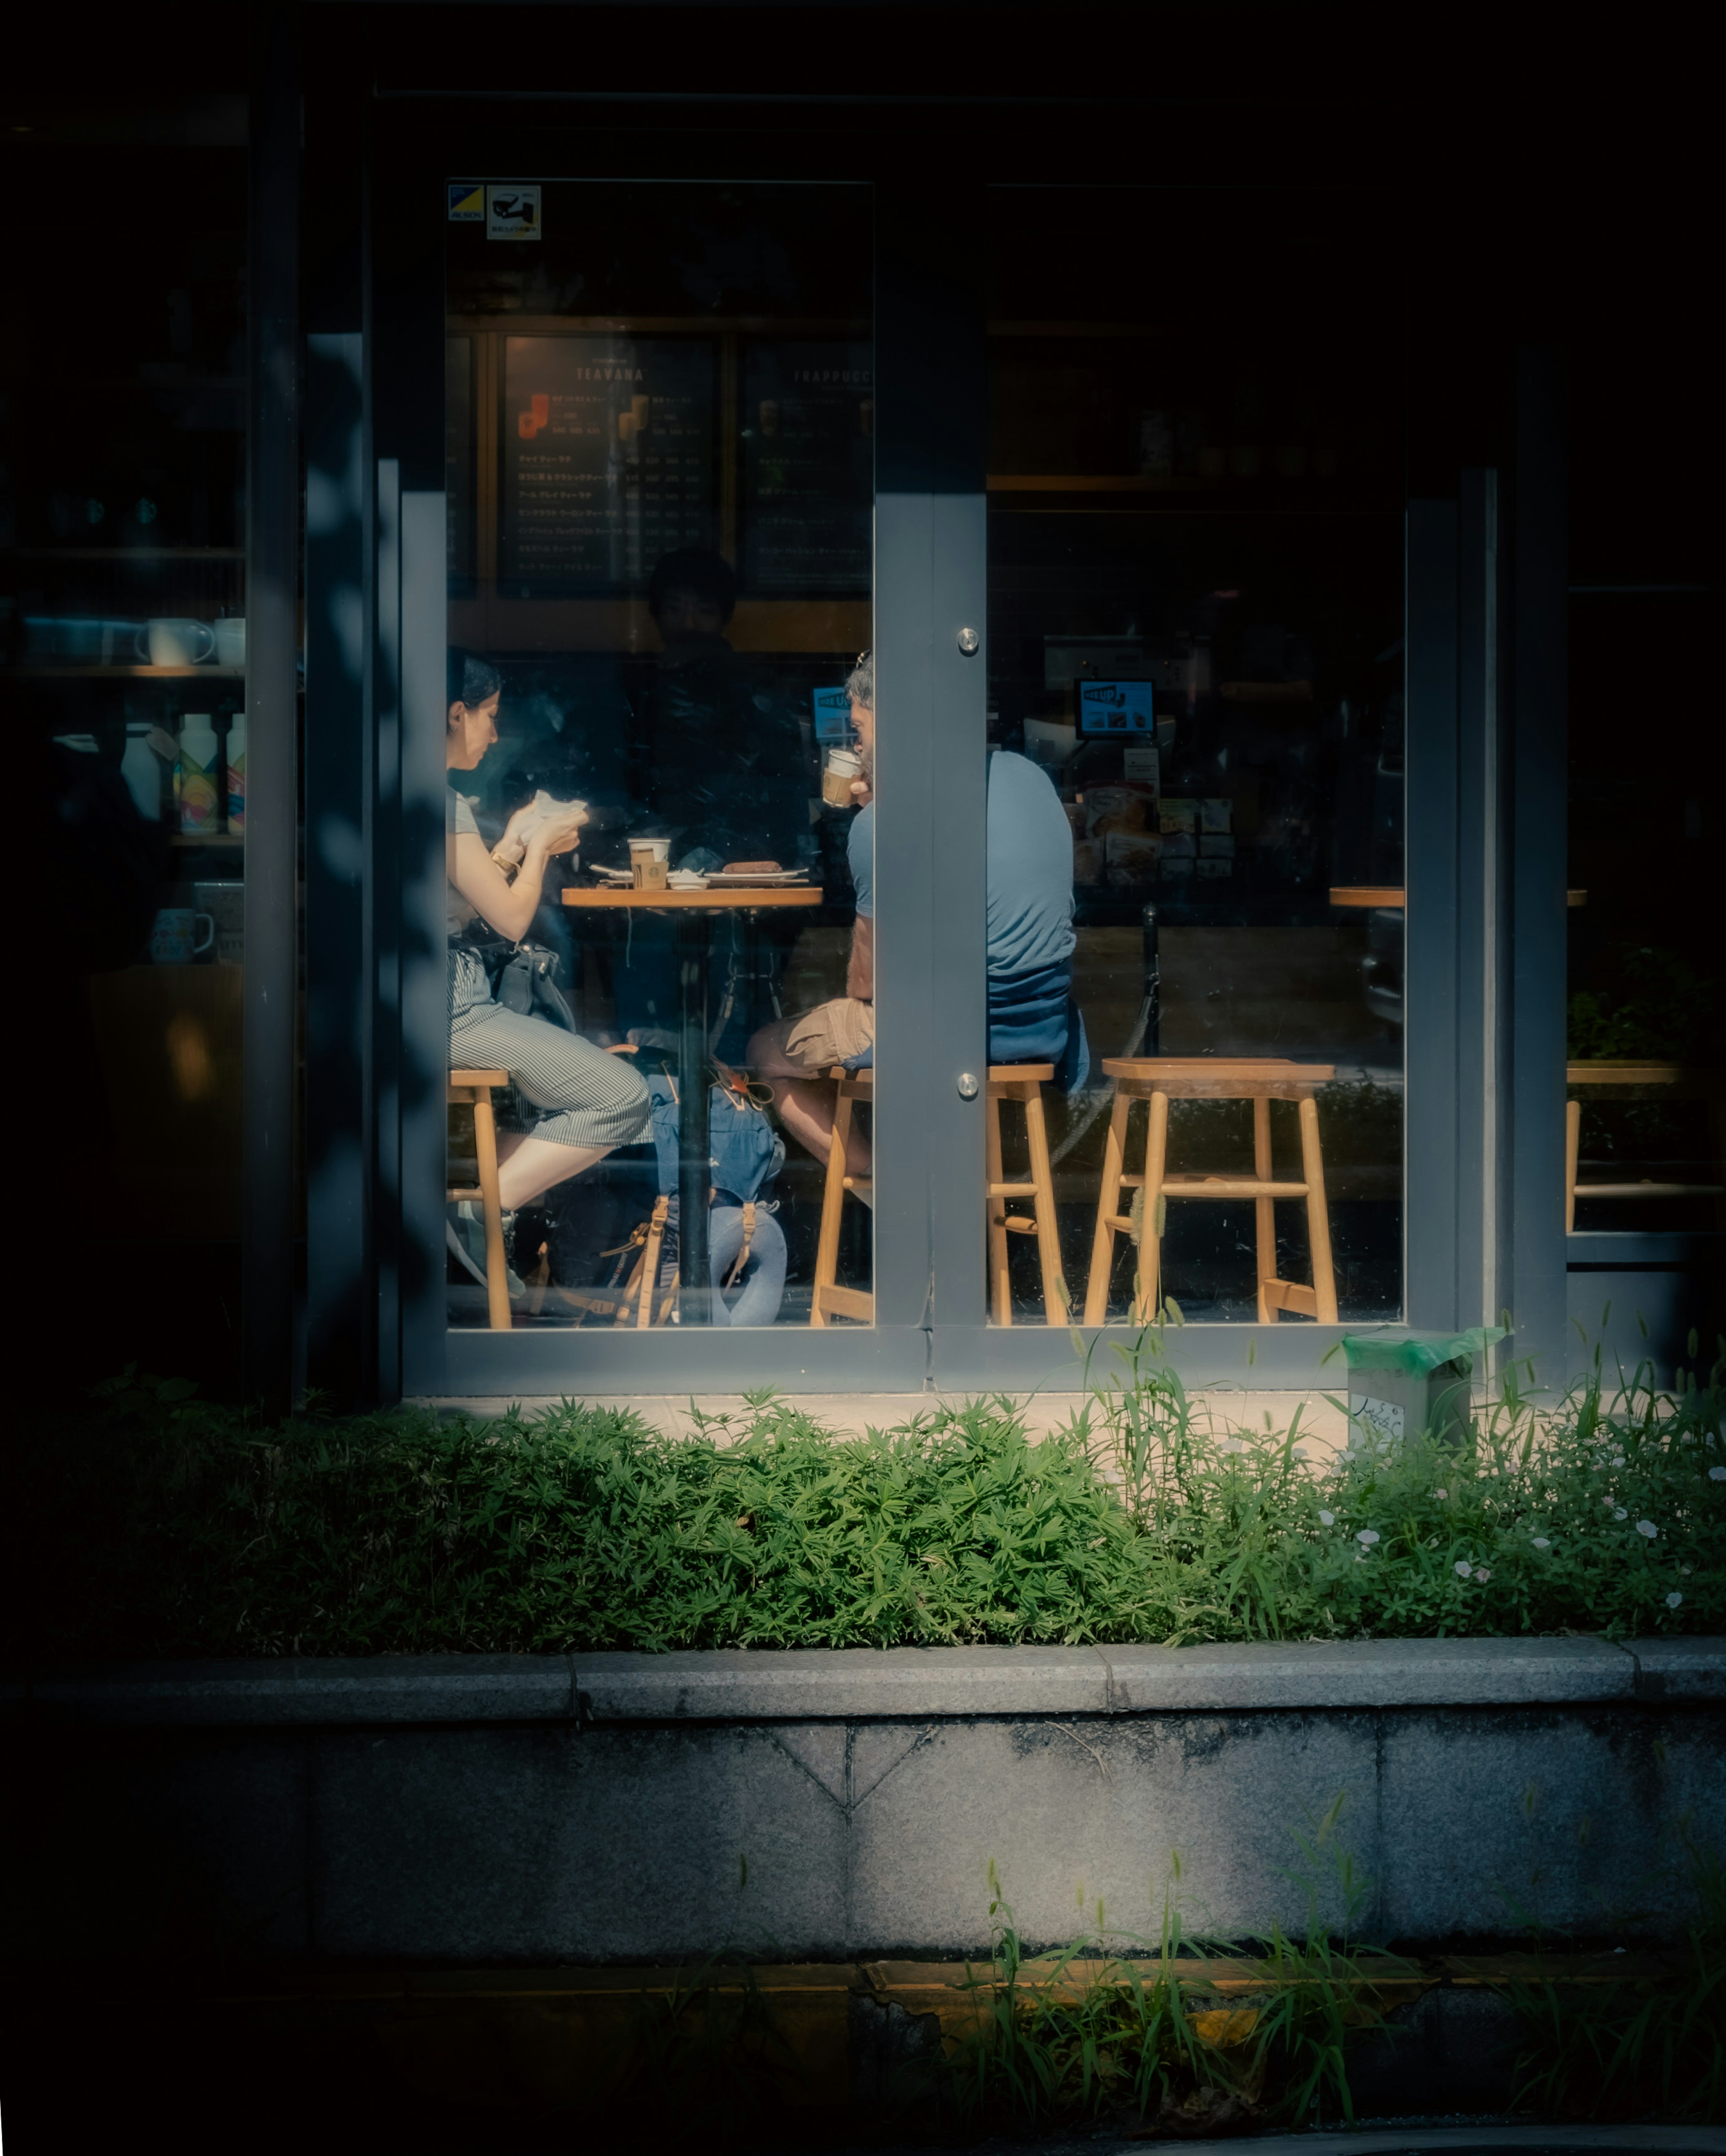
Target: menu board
x,y
809,424
607,460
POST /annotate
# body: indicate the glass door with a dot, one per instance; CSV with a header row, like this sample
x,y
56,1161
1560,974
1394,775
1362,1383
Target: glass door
x,y
658,717
1196,888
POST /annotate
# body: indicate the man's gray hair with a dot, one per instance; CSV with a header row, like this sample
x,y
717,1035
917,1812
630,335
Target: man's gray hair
x,y
860,682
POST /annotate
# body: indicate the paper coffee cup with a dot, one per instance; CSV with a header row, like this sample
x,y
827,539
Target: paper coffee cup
x,y
843,767
646,862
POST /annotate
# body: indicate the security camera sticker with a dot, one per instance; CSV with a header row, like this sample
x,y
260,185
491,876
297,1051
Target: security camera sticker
x,y
512,213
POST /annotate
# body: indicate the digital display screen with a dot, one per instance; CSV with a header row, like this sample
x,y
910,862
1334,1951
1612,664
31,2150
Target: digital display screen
x,y
1116,708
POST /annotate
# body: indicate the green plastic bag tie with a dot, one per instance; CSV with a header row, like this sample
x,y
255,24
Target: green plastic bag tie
x,y
1418,1354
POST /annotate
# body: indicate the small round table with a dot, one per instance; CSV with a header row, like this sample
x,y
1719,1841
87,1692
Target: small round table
x,y
695,910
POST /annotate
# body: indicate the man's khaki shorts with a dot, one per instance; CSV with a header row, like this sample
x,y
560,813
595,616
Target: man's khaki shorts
x,y
832,1033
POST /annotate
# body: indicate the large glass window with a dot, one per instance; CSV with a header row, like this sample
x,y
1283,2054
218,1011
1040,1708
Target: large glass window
x,y
1195,688
660,476
122,623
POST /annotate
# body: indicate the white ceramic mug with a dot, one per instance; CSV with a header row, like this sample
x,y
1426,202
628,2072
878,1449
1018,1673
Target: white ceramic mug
x,y
176,643
174,938
230,635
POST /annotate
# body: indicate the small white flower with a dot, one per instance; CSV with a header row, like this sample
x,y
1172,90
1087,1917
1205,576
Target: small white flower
x,y
1367,1537
1541,1543
1327,1519
1441,1495
1716,1474
1674,1601
1483,1576
1648,1528
1618,1459
1231,1444
1619,1513
1299,1452
1685,1570
1463,1568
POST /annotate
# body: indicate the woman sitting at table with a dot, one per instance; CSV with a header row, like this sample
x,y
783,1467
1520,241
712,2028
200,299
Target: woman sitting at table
x,y
581,1100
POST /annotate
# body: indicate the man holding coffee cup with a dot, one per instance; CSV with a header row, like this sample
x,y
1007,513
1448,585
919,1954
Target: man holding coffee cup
x,y
1029,900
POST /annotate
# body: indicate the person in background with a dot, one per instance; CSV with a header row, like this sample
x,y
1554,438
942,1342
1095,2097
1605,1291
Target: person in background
x,y
580,1101
722,770
1029,900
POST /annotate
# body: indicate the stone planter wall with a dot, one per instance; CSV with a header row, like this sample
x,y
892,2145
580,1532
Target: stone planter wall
x,y
837,1806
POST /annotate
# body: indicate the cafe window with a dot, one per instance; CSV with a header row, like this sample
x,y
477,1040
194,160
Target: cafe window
x,y
1196,733
122,611
659,479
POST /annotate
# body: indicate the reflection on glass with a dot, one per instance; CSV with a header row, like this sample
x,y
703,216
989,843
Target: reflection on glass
x,y
1194,570
1646,1120
122,624
655,891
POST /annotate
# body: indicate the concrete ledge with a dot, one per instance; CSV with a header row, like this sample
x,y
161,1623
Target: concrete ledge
x,y
842,1683
370,1688
1363,1673
1680,1669
853,1684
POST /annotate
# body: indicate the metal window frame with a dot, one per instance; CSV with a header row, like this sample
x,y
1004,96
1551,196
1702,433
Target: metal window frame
x,y
1473,788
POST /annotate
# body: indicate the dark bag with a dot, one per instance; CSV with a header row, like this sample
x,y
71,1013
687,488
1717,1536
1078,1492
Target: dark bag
x,y
524,979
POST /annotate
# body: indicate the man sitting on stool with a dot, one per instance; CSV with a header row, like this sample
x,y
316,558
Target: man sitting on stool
x,y
1029,898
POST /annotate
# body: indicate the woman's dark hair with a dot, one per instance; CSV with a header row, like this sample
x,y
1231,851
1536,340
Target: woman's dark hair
x,y
693,569
469,681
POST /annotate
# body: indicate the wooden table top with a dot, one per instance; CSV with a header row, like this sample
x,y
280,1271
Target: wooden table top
x,y
1631,1070
1395,899
706,900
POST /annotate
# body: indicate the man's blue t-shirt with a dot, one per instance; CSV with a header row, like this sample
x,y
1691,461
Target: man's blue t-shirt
x,y
1030,908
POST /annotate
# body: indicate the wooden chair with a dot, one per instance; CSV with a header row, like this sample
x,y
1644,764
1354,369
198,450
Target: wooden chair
x,y
1686,1084
1157,1080
474,1089
827,1298
1023,1082
1007,1081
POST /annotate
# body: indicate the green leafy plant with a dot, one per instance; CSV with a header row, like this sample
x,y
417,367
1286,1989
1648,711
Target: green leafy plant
x,y
160,1525
1112,2024
1659,1008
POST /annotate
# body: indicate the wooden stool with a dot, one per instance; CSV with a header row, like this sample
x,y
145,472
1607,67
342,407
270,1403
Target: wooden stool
x,y
1158,1080
1686,1084
474,1089
1023,1082
827,1297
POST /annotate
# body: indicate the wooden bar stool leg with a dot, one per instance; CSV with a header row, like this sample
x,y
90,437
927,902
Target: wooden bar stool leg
x,y
832,1207
650,1261
1156,1158
1312,1160
1049,1227
1264,1208
1000,1284
1573,1147
485,1147
1109,1204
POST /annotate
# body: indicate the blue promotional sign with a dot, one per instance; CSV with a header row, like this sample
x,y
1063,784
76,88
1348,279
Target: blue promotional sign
x,y
832,714
1116,708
